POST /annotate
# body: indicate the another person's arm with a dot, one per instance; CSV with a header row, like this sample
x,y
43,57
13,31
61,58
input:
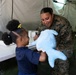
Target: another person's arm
x,y
36,35
39,29
65,41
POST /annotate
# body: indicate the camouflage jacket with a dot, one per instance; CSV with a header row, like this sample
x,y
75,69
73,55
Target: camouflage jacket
x,y
64,38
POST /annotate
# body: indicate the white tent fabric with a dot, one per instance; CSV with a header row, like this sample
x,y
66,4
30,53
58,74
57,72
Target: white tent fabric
x,y
28,12
68,11
2,16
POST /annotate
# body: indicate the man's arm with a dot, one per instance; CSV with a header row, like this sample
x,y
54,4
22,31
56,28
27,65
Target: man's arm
x,y
65,42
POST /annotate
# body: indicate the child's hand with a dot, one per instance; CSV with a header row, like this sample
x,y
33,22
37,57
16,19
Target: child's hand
x,y
42,57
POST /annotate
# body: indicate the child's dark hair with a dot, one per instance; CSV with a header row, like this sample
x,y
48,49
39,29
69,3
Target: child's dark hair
x,y
13,25
6,38
47,10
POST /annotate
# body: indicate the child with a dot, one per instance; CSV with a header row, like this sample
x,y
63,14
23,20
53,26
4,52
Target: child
x,y
27,59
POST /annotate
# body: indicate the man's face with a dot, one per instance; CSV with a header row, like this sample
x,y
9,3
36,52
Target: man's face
x,y
46,19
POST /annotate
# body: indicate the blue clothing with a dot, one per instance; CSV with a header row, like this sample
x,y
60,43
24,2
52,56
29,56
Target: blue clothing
x,y
20,73
27,60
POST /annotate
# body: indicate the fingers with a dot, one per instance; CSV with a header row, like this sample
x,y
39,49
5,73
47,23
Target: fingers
x,y
35,37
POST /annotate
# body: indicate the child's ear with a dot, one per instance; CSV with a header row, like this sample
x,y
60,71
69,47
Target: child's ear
x,y
19,38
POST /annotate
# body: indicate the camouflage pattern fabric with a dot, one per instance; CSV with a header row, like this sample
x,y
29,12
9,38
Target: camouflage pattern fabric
x,y
64,43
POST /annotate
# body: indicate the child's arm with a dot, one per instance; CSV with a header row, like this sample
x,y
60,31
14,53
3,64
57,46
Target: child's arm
x,y
42,57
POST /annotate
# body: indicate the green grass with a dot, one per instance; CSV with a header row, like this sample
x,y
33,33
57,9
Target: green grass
x,y
9,67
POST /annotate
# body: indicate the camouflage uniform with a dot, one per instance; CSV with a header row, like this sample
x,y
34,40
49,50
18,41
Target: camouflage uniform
x,y
64,43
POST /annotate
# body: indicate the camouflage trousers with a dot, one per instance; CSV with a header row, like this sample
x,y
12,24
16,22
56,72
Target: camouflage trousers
x,y
61,67
44,68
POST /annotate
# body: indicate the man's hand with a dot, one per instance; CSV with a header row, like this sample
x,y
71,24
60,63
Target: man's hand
x,y
35,37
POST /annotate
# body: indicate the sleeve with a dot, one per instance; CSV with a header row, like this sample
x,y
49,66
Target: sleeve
x,y
40,28
33,56
65,41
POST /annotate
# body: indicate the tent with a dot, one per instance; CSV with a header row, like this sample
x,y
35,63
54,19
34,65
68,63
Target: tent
x,y
28,11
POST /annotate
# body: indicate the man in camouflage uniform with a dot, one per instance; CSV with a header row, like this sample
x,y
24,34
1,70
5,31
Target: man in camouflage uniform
x,y
64,39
